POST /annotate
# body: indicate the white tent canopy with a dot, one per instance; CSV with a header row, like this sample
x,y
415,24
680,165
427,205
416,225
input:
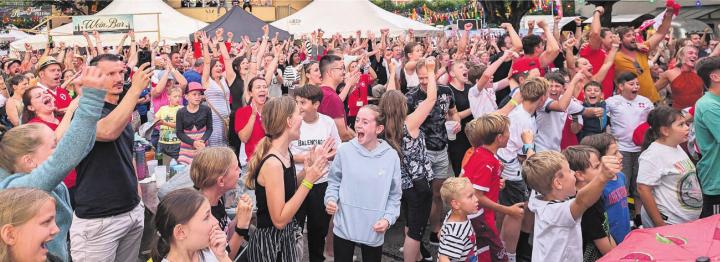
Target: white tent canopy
x,y
174,27
347,17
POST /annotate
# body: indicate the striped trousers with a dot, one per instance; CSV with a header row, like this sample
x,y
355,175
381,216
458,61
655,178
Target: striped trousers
x,y
271,244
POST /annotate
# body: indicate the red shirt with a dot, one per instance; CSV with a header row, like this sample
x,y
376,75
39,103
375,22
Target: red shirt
x,y
597,58
484,170
62,97
72,176
331,105
358,97
568,138
241,119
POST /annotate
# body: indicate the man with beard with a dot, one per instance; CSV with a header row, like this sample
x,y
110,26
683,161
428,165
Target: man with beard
x,y
11,67
109,216
632,59
601,42
686,86
49,73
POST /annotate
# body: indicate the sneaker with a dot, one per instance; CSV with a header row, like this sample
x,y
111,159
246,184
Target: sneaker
x,y
434,239
427,256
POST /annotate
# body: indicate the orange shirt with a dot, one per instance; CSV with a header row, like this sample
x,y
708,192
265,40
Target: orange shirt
x,y
641,68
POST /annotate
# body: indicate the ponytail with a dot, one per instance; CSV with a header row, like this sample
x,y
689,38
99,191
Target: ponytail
x,y
651,134
160,249
261,149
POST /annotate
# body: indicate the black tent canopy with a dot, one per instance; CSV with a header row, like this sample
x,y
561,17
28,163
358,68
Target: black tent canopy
x,y
241,23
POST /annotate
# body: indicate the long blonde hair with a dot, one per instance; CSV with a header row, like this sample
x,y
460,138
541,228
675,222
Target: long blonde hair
x,y
276,113
17,142
209,164
17,207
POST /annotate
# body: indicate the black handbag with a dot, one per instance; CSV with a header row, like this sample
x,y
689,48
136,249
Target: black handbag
x,y
421,185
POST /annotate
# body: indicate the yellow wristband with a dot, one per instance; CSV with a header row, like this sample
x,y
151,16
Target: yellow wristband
x,y
307,184
513,102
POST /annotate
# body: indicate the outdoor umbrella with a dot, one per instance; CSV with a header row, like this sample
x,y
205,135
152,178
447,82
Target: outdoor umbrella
x,y
682,242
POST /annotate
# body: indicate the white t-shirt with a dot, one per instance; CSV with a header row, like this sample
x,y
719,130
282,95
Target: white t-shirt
x,y
314,134
625,115
519,121
557,236
676,188
482,100
551,123
3,100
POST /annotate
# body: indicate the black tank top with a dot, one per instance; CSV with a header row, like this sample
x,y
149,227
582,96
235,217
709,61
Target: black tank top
x,y
290,181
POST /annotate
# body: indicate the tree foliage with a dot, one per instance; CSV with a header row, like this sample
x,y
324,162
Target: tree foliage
x,y
498,12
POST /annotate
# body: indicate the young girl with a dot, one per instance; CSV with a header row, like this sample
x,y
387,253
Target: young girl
x,y
168,143
364,189
186,230
27,224
667,180
403,133
311,74
594,99
193,124
279,191
215,171
14,105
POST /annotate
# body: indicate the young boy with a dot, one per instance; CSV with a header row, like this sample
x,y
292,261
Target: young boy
x,y
533,93
557,230
169,144
487,134
554,112
615,193
585,160
314,130
457,238
626,111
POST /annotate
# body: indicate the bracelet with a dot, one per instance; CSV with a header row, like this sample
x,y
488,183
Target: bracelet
x,y
307,184
244,232
513,102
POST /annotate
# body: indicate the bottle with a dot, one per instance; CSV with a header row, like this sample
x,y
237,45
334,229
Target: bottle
x,y
141,168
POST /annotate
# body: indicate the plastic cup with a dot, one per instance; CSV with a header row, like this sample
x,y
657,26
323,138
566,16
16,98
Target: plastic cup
x,y
449,126
160,175
151,166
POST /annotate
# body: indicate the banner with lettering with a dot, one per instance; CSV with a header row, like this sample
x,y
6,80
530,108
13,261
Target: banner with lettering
x,y
102,23
23,17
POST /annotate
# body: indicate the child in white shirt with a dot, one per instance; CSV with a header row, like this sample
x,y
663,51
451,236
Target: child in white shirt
x,y
557,230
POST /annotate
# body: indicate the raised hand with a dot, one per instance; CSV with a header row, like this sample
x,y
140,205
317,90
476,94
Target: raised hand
x,y
611,165
600,10
542,24
244,211
230,36
94,77
266,30
527,136
141,78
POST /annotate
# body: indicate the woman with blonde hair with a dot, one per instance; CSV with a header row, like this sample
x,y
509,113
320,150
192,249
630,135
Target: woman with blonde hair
x,y
214,172
27,224
280,196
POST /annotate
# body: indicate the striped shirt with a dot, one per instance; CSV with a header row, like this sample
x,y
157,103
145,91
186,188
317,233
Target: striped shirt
x,y
458,242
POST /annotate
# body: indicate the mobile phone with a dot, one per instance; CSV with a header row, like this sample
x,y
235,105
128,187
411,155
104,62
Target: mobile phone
x,y
143,57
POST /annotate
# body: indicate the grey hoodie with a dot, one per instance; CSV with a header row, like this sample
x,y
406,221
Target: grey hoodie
x,y
366,187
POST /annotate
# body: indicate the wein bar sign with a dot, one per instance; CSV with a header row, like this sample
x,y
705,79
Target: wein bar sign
x,y
102,23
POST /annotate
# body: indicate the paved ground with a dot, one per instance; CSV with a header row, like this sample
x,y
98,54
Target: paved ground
x,y
393,241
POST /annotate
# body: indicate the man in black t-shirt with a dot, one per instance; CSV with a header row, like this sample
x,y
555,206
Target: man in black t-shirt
x,y
109,216
436,141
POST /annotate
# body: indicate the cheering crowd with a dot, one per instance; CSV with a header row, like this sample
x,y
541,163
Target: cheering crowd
x,y
548,147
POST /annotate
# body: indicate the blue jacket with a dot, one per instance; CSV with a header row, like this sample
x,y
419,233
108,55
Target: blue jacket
x,y
366,187
72,148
